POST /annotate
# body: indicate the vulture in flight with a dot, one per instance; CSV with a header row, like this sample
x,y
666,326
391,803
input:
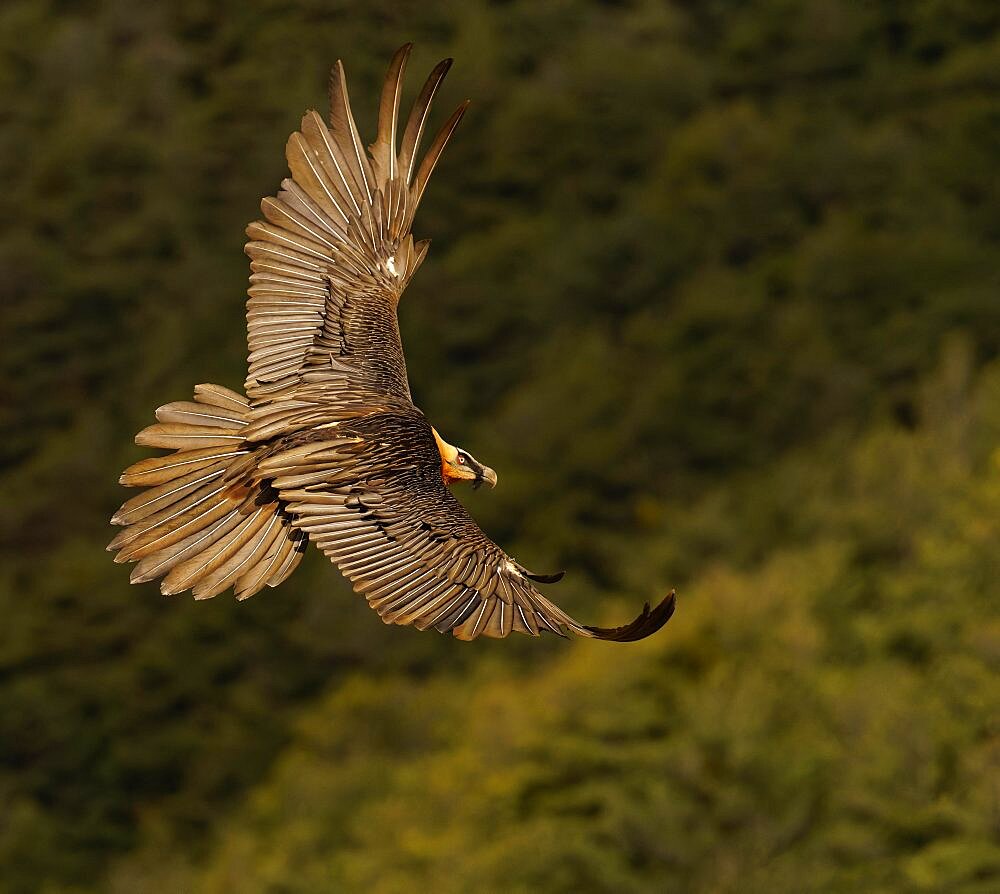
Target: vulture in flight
x,y
326,445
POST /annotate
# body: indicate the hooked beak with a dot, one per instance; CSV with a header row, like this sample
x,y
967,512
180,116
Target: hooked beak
x,y
487,475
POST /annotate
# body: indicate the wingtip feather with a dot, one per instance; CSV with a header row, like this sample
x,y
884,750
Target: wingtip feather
x,y
648,622
417,119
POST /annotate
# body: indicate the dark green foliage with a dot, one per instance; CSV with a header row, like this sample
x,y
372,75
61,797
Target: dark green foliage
x,y
714,287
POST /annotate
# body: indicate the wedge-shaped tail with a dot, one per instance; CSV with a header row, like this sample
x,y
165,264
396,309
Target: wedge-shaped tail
x,y
202,523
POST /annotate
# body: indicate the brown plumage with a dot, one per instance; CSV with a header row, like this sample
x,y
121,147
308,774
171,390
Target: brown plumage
x,y
327,445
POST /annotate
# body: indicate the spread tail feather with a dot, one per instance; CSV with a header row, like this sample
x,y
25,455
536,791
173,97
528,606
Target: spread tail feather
x,y
203,523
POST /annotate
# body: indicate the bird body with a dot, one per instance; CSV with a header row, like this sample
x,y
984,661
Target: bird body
x,y
326,445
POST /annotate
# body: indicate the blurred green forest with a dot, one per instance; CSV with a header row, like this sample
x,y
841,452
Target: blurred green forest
x,y
714,286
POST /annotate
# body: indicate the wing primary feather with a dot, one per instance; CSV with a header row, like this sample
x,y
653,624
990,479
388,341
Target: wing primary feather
x,y
429,611
402,609
646,624
430,160
155,564
531,628
296,549
256,578
455,619
312,123
384,148
219,396
340,114
386,597
308,170
544,578
145,504
255,546
164,517
418,119
190,572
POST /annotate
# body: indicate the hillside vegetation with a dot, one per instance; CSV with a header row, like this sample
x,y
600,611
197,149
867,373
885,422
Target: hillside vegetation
x,y
714,287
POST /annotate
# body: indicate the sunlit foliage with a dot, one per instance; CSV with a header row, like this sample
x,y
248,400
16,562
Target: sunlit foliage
x,y
715,287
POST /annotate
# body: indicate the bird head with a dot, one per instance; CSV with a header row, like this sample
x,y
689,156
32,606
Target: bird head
x,y
460,465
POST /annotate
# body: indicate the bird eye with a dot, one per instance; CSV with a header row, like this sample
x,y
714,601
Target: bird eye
x,y
461,460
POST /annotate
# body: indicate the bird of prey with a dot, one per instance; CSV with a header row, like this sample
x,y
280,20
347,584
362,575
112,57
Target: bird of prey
x,y
326,445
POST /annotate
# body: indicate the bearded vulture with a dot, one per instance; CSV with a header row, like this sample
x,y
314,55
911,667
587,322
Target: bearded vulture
x,y
326,444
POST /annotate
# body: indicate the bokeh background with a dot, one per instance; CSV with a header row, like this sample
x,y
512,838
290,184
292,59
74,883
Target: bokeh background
x,y
716,288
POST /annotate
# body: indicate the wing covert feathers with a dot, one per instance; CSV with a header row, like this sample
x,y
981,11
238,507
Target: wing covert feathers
x,y
334,251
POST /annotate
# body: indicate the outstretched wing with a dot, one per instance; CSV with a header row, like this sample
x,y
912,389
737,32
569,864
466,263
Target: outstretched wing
x,y
368,491
334,254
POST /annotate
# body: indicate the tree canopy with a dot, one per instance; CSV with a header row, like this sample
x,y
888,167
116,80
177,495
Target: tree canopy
x,y
713,286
